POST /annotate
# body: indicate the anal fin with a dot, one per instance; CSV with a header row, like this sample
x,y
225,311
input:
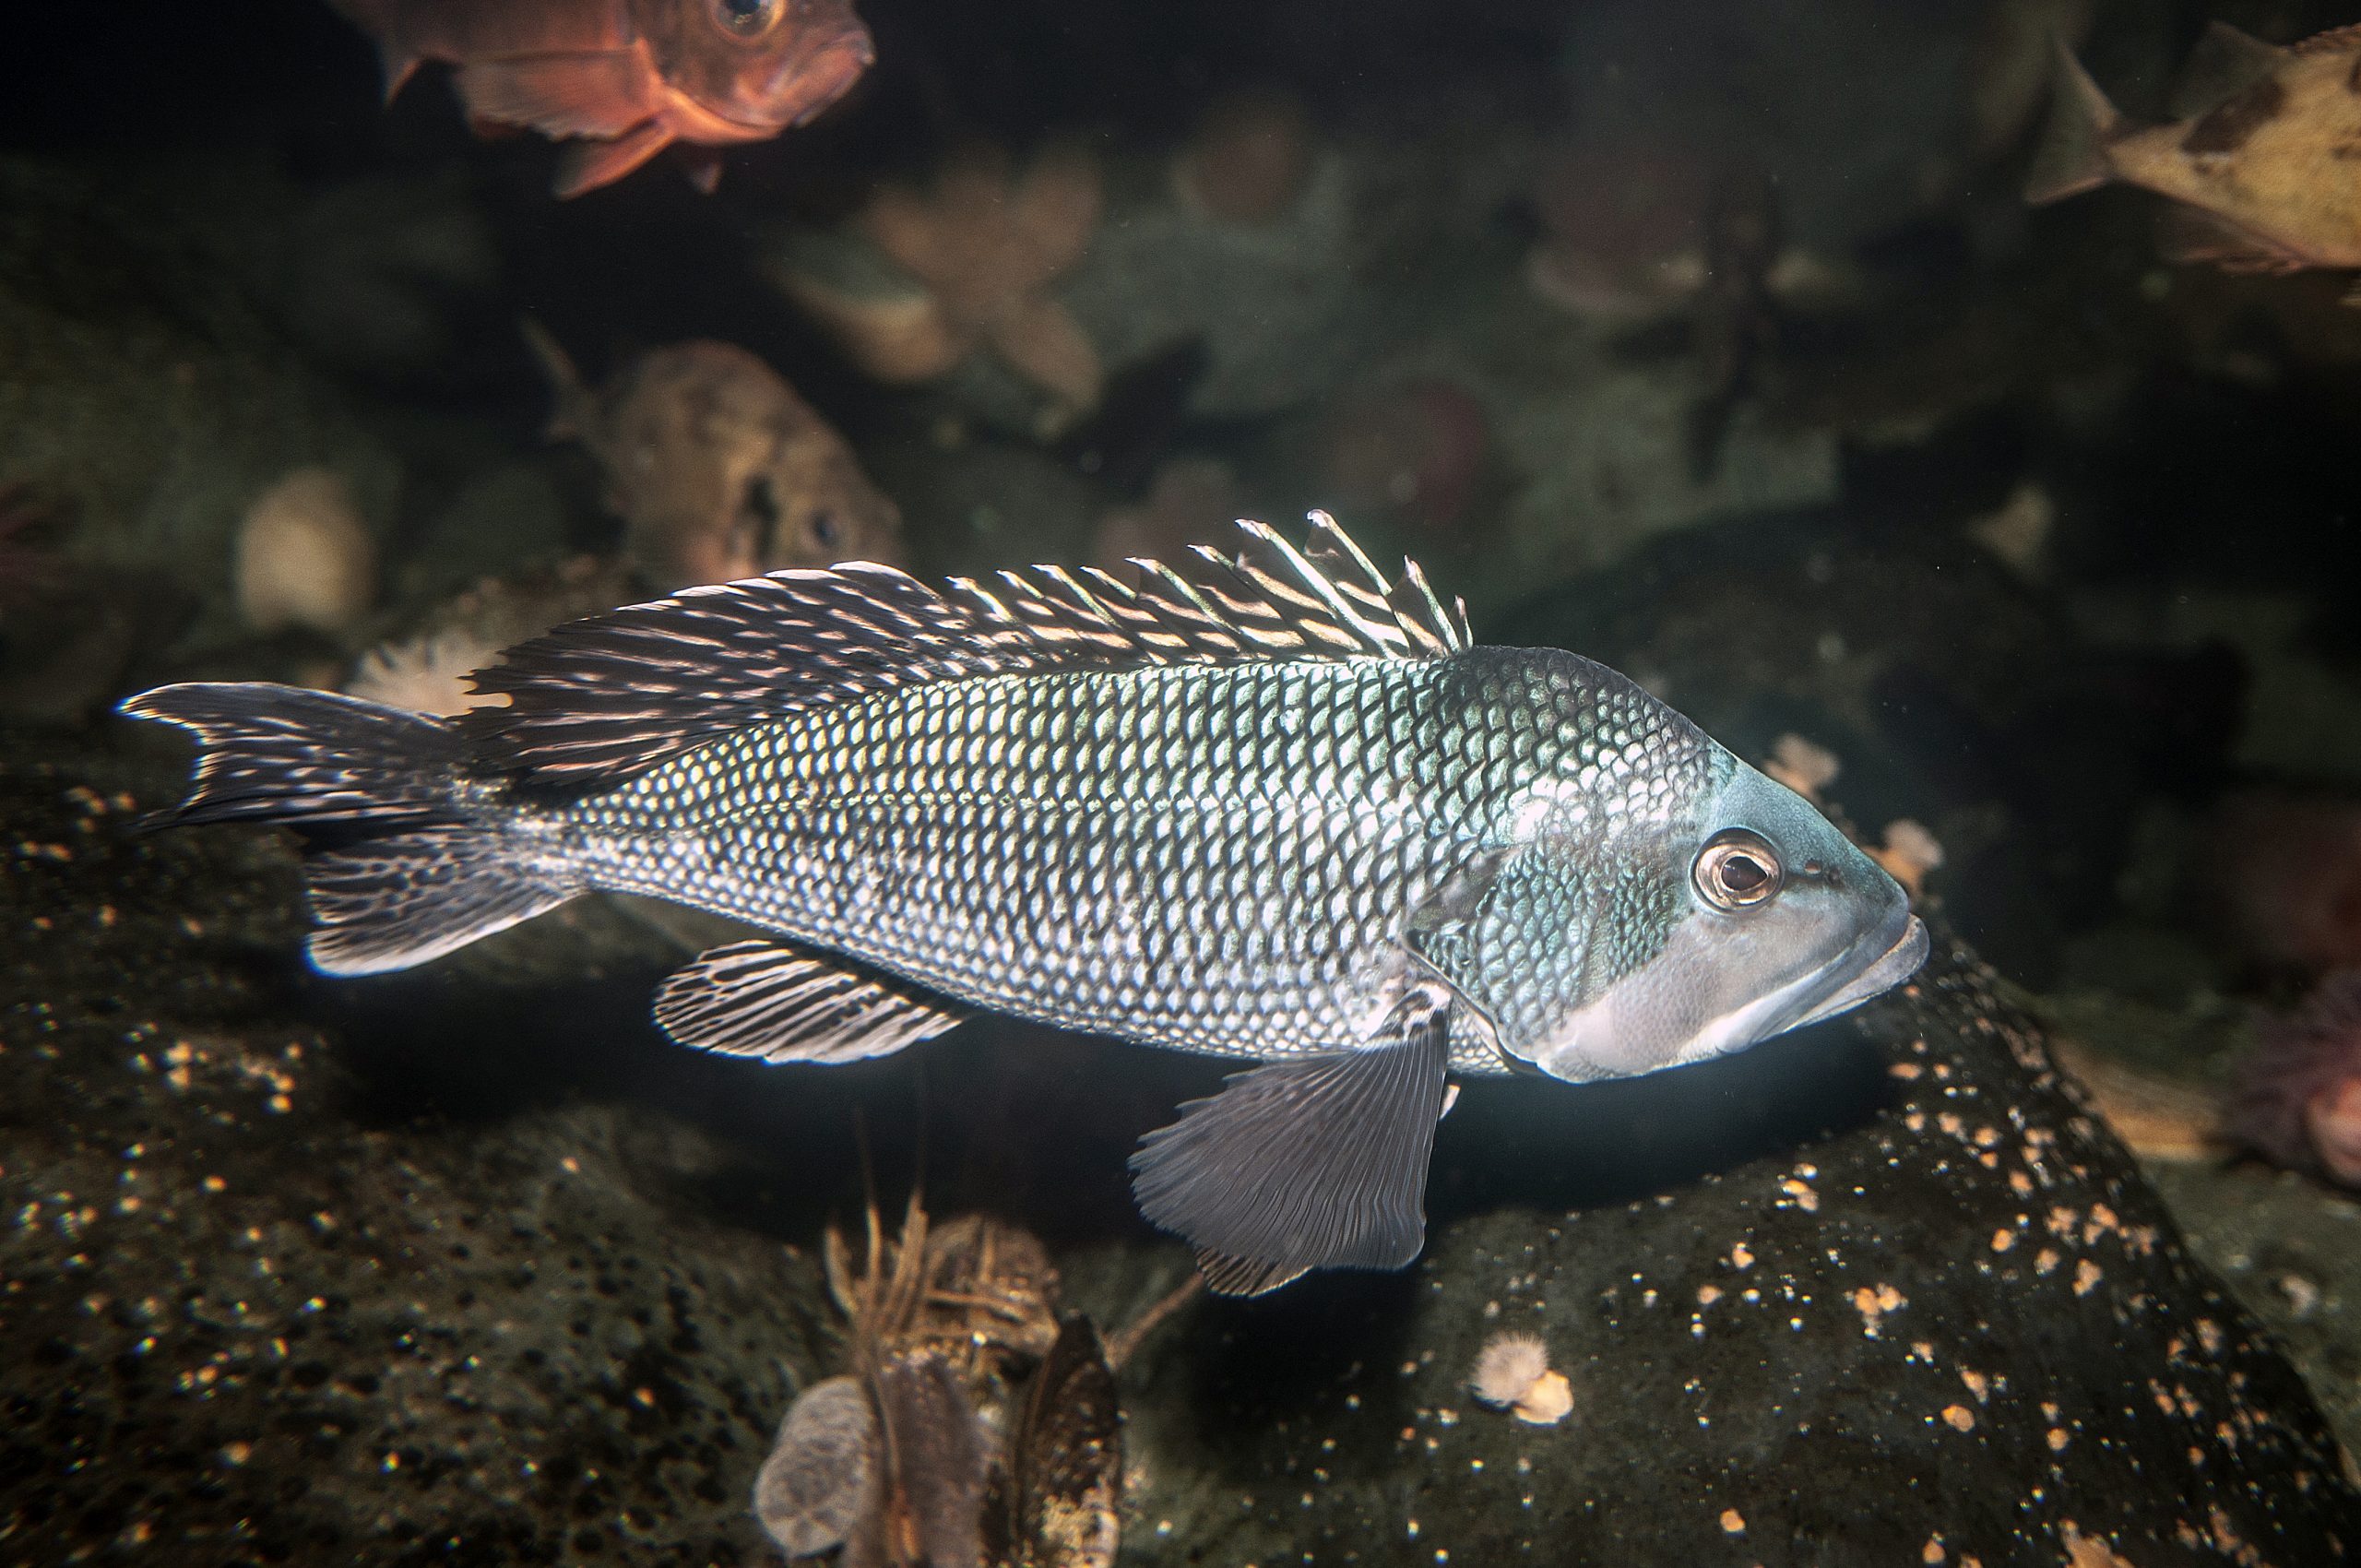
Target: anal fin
x,y
392,903
762,998
2186,233
1314,1163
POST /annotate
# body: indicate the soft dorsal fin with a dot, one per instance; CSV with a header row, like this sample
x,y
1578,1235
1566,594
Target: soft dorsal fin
x,y
2336,41
2224,63
600,699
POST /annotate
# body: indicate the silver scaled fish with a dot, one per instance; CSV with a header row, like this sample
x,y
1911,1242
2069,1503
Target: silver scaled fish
x,y
1270,806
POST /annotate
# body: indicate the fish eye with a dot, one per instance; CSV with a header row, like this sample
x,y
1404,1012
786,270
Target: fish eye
x,y
1738,869
746,17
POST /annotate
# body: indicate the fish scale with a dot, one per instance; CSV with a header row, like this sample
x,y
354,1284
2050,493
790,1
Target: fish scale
x,y
1280,809
1080,850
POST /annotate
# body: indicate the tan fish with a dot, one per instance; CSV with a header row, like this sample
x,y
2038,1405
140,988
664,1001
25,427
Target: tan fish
x,y
719,469
628,77
2263,169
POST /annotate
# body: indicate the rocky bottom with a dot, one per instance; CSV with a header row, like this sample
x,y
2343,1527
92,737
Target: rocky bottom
x,y
298,1275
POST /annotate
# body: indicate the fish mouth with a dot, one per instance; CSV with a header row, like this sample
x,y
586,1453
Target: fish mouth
x,y
827,73
1895,961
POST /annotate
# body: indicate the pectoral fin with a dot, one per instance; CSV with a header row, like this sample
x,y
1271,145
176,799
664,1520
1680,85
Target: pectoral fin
x,y
1314,1163
602,94
759,999
586,165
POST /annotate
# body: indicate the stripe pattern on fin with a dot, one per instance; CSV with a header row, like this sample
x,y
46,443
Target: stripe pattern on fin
x,y
394,903
759,999
598,700
1318,1162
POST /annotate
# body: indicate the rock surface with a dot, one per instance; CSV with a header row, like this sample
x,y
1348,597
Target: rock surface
x,y
1963,1330
1872,1292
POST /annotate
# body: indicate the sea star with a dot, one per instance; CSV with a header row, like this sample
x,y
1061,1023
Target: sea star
x,y
984,249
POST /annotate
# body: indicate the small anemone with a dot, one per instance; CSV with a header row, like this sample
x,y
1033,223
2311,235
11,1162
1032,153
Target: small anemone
x,y
1512,1371
2297,1102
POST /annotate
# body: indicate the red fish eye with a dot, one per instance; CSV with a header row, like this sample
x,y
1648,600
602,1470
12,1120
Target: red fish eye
x,y
1738,869
746,15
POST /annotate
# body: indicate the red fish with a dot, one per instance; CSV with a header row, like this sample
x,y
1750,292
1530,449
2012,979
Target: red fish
x,y
628,77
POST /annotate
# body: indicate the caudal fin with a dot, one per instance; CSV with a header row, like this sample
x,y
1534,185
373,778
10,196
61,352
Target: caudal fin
x,y
399,869
569,398
2073,153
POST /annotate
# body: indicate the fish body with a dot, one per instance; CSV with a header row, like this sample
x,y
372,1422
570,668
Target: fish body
x,y
628,77
1281,810
2264,168
718,467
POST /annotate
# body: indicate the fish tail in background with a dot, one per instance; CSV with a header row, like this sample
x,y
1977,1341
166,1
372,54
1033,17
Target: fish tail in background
x,y
2073,153
399,867
378,19
570,400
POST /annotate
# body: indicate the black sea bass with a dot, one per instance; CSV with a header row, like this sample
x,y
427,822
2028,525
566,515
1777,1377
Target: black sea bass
x,y
1270,806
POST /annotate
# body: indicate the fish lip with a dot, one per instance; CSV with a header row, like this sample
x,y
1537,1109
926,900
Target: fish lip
x,y
828,72
1900,957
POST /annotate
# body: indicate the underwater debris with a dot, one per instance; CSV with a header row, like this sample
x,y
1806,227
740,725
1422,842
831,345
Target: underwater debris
x,y
621,80
1909,853
1512,1372
1803,765
981,250
305,556
820,1477
718,467
2258,167
2018,530
901,1461
2297,1099
1248,160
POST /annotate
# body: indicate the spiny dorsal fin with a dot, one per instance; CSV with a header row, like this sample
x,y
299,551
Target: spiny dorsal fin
x,y
600,699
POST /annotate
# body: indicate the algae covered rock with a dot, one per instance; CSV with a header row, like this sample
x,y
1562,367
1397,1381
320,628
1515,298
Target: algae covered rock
x,y
253,1325
1879,1290
1962,1328
141,387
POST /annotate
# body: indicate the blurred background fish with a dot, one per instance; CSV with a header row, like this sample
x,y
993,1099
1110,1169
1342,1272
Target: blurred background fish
x,y
626,79
718,467
2258,166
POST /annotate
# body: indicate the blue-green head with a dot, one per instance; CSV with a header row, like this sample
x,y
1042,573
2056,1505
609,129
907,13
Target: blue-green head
x,y
1655,902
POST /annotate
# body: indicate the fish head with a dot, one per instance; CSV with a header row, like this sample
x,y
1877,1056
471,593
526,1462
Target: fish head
x,y
812,505
1744,915
759,66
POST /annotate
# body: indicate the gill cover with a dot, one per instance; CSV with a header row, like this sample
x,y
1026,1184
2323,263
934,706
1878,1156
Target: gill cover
x,y
1747,917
